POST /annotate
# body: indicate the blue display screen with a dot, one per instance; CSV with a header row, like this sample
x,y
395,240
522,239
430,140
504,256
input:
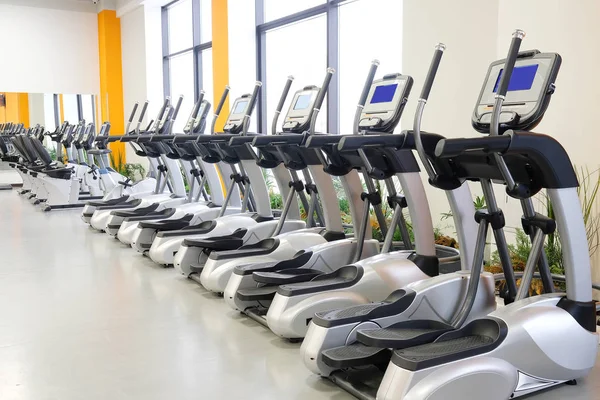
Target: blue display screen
x,y
240,107
302,102
384,93
521,78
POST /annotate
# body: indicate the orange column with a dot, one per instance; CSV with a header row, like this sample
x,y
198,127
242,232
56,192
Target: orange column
x,y
111,77
220,50
61,108
3,110
23,105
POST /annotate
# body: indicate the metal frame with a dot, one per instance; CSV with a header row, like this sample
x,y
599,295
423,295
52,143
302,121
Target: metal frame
x,y
331,9
57,120
79,108
197,47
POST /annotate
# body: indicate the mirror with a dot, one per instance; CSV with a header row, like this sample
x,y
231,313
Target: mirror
x,y
48,110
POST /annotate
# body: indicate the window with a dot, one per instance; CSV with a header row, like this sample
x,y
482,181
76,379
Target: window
x,y
180,27
275,9
50,122
358,47
298,38
70,109
88,104
302,38
182,73
187,53
308,37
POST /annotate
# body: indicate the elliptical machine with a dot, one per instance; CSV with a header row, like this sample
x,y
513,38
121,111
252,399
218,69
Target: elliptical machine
x,y
122,192
214,263
232,230
513,351
252,286
169,182
194,211
521,348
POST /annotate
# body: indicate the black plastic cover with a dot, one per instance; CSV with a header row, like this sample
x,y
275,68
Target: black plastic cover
x,y
396,303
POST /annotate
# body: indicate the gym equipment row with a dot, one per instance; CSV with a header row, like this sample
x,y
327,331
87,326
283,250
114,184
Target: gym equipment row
x,y
391,319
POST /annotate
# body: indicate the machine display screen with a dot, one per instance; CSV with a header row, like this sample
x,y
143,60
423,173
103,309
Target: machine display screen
x,y
303,102
240,107
384,93
521,78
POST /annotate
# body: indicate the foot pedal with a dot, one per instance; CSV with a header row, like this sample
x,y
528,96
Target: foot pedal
x,y
355,355
256,294
285,277
403,334
478,337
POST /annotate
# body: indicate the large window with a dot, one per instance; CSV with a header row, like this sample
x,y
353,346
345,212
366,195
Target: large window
x,y
187,53
366,34
302,38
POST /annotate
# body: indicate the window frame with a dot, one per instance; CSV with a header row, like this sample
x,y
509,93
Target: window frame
x,y
330,8
197,47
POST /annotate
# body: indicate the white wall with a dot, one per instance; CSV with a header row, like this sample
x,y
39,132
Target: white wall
x,y
50,51
572,115
133,47
36,110
574,106
242,54
469,30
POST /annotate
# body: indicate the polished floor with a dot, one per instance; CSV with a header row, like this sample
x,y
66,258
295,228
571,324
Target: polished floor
x,y
85,318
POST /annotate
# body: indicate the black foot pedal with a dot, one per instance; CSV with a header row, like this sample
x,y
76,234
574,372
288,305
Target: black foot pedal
x,y
355,355
256,294
403,334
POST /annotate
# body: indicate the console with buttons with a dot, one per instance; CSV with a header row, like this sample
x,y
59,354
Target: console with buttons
x,y
528,95
301,110
385,102
235,120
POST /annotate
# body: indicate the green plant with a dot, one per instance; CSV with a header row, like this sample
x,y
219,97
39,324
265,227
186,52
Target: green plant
x,y
276,201
478,203
52,153
589,185
132,171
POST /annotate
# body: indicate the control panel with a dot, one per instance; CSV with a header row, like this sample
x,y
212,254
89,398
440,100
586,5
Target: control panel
x,y
529,90
235,120
385,103
299,114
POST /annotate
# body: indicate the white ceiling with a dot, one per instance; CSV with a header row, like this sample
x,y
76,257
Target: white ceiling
x,y
71,5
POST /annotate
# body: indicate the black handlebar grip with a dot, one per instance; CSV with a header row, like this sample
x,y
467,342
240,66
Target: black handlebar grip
x,y
511,59
144,109
435,63
324,88
253,98
197,105
489,144
177,107
163,109
132,115
222,101
365,92
286,90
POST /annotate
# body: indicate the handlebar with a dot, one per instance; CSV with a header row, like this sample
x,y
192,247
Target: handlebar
x,y
363,96
320,97
284,94
490,144
219,108
132,115
509,65
433,67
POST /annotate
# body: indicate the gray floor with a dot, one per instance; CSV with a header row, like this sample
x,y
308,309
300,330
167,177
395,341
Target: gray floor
x,y
83,317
